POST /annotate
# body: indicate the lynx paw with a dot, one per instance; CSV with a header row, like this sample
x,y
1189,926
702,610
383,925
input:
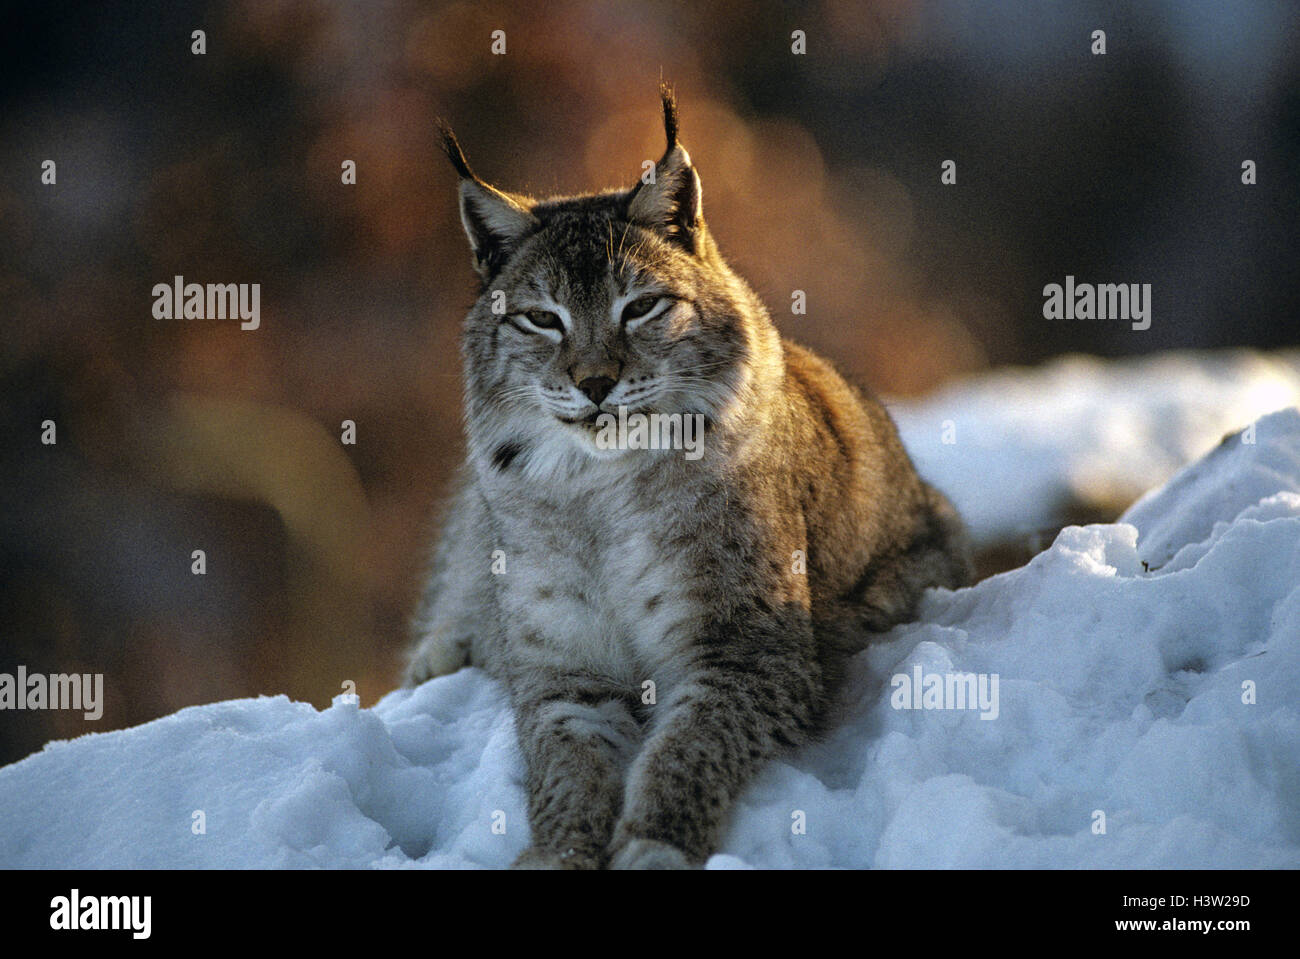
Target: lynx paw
x,y
649,854
435,655
536,858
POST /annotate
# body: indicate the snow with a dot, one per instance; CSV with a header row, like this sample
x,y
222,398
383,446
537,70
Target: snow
x,y
1022,445
1148,672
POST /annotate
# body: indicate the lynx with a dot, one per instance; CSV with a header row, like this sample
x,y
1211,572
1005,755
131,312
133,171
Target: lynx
x,y
665,624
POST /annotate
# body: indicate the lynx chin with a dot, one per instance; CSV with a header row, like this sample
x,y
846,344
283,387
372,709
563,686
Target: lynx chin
x,y
737,582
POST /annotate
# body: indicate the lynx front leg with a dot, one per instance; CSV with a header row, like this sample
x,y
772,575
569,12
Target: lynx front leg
x,y
578,737
738,709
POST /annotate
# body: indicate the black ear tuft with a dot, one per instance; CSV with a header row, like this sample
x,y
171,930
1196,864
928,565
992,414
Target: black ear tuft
x,y
670,201
494,222
669,99
451,146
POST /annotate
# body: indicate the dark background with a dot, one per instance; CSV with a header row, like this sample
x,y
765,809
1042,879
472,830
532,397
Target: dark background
x,y
820,173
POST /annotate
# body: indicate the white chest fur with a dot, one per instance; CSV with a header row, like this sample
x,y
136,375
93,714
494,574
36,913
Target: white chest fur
x,y
587,587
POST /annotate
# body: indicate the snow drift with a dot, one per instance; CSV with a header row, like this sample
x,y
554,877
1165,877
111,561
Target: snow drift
x,y
1014,448
1148,715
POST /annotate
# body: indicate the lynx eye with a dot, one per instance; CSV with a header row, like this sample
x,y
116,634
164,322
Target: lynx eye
x,y
543,319
641,307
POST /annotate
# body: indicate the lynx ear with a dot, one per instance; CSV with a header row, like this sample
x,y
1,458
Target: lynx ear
x,y
495,222
672,203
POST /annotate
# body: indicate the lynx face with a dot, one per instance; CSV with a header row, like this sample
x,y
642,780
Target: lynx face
x,y
597,302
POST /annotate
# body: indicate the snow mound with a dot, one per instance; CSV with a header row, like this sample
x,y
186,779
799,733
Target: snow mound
x,y
1016,448
1147,715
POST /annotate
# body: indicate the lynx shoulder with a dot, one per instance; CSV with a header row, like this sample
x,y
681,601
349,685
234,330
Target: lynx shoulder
x,y
673,526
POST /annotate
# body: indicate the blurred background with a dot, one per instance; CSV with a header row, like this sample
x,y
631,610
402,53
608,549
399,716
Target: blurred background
x,y
821,173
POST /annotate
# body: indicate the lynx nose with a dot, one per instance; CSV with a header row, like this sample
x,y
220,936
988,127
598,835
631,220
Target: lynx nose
x,y
597,378
596,388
